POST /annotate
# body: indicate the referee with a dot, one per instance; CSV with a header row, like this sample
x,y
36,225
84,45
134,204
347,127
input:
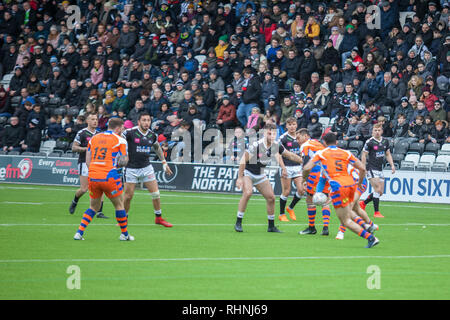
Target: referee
x,y
376,151
140,141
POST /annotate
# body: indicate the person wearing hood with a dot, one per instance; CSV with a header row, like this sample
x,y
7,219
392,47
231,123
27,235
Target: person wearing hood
x,y
404,108
315,128
5,106
269,88
321,102
364,128
396,90
33,137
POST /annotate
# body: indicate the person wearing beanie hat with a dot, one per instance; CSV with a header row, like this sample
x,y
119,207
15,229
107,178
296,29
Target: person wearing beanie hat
x,y
222,46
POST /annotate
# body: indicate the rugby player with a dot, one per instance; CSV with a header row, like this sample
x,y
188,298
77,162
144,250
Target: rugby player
x,y
251,174
290,171
107,151
334,163
79,145
141,140
309,147
375,152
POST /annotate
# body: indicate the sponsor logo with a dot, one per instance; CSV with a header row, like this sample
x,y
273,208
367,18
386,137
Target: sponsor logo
x,y
162,177
22,171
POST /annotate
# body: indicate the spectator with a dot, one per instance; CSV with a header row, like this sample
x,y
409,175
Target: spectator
x,y
226,119
13,135
438,113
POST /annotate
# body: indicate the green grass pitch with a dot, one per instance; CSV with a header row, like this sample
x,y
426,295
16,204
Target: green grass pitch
x,y
202,257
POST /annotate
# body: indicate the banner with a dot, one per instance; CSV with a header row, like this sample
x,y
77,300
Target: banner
x,y
406,186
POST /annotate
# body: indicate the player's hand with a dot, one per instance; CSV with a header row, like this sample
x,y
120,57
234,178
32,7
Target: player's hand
x,y
167,169
393,169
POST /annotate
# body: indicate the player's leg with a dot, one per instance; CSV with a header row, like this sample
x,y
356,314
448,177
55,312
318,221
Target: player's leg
x,y
326,212
95,202
286,190
266,190
343,203
152,187
121,217
100,211
128,195
79,193
378,192
297,197
247,191
311,184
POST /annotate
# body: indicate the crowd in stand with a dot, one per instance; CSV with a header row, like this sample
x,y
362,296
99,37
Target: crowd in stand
x,y
226,65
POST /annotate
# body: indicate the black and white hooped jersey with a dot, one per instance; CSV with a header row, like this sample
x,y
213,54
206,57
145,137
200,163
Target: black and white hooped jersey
x,y
139,146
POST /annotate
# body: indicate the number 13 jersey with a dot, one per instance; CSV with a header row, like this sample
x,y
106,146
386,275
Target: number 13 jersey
x,y
104,148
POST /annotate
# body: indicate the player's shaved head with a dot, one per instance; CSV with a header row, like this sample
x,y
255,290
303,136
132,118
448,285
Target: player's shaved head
x,y
330,139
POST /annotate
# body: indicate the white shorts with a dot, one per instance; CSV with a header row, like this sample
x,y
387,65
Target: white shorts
x,y
83,169
375,174
139,175
293,172
256,178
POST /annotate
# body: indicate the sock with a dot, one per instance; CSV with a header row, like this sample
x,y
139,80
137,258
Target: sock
x,y
326,216
283,201
75,199
359,221
101,207
294,201
376,203
271,219
121,217
87,218
311,215
369,198
342,228
366,235
240,215
158,213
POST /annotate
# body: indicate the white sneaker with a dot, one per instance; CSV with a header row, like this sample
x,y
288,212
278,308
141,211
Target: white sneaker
x,y
78,236
340,235
126,238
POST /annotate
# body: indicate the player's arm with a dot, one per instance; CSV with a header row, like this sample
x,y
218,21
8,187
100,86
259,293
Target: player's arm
x,y
88,157
308,167
77,148
364,154
282,165
390,160
292,156
159,152
245,158
361,169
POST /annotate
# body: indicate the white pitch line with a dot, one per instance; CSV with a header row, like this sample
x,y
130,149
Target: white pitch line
x,y
208,224
218,197
224,259
26,203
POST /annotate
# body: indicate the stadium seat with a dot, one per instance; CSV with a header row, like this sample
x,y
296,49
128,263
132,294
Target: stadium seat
x,y
59,111
443,158
55,154
427,158
324,121
343,144
39,154
27,153
3,153
73,112
401,147
15,101
445,149
13,153
47,146
439,167
387,112
62,145
423,166
414,158
54,102
407,165
416,147
355,152
356,144
43,101
388,166
433,147
398,157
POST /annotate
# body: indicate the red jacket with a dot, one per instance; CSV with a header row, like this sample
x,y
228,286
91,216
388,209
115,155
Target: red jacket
x,y
267,31
227,113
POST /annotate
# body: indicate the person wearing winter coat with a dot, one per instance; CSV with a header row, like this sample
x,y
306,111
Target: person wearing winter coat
x,y
226,119
406,109
268,88
364,129
396,90
315,127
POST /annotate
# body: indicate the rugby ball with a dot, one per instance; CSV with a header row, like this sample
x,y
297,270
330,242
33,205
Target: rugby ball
x,y
319,199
